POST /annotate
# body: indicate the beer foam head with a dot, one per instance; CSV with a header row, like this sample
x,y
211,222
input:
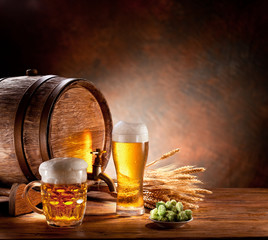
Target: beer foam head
x,y
63,171
130,132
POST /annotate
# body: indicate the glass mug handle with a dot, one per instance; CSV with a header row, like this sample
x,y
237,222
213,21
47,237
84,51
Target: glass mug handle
x,y
26,196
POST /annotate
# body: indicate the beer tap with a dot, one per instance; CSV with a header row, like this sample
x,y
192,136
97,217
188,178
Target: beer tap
x,y
97,171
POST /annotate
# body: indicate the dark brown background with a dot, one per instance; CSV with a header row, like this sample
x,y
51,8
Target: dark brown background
x,y
193,71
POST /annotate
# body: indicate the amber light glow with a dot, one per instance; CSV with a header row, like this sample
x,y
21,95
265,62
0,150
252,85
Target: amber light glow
x,y
87,148
79,145
193,71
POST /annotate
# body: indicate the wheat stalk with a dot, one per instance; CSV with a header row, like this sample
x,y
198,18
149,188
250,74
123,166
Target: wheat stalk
x,y
166,155
169,182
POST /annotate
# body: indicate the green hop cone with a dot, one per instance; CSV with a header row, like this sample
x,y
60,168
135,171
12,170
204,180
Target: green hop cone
x,y
181,216
154,211
161,210
174,209
171,216
168,205
160,203
188,212
179,206
173,202
163,219
154,214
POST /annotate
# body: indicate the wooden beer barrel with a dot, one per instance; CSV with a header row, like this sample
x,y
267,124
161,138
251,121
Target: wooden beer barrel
x,y
43,117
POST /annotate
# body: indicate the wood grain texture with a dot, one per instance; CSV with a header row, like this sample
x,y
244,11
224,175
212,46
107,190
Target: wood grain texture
x,y
194,71
17,203
226,214
89,131
10,95
78,121
31,133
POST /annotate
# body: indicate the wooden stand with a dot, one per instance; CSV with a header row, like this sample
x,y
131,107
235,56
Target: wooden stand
x,y
17,204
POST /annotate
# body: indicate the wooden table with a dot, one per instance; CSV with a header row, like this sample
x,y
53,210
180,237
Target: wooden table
x,y
227,213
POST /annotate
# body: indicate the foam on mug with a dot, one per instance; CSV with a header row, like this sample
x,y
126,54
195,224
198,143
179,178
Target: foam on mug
x,y
130,132
64,171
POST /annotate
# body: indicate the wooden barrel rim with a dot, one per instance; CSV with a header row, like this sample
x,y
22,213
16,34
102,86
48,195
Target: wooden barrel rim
x,y
46,115
1,79
49,105
18,126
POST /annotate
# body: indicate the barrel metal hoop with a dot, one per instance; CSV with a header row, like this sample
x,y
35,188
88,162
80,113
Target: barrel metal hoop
x,y
108,123
44,131
18,126
46,116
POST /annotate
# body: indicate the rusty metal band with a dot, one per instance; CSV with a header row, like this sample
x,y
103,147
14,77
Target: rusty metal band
x,y
18,126
44,131
107,117
46,116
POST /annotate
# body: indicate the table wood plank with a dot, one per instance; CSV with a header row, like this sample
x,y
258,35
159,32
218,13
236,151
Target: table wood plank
x,y
227,213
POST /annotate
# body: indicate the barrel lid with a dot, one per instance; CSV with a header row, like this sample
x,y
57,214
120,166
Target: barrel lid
x,y
79,121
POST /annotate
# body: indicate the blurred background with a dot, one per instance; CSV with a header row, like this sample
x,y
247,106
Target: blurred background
x,y
193,70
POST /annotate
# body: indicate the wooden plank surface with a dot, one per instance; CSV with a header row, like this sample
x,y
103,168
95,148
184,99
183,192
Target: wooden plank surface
x,y
227,213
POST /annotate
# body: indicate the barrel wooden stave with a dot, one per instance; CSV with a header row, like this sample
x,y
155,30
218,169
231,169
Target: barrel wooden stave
x,y
32,123
12,91
87,135
10,95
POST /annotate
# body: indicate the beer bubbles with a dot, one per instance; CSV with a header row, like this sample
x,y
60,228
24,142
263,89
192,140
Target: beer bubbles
x,y
63,171
63,190
130,147
130,132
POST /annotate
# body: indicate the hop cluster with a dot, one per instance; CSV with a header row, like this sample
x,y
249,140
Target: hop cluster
x,y
170,211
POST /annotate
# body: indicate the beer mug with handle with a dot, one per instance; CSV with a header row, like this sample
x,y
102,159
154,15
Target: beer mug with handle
x,y
63,191
130,145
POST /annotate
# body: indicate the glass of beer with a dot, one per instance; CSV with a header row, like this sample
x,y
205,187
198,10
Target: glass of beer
x,y
63,191
130,144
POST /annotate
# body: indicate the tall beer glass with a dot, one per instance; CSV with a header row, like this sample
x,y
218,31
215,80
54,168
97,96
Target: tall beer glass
x,y
130,144
63,191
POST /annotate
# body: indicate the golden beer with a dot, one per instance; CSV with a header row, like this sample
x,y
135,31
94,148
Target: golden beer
x,y
130,150
64,203
63,191
130,159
